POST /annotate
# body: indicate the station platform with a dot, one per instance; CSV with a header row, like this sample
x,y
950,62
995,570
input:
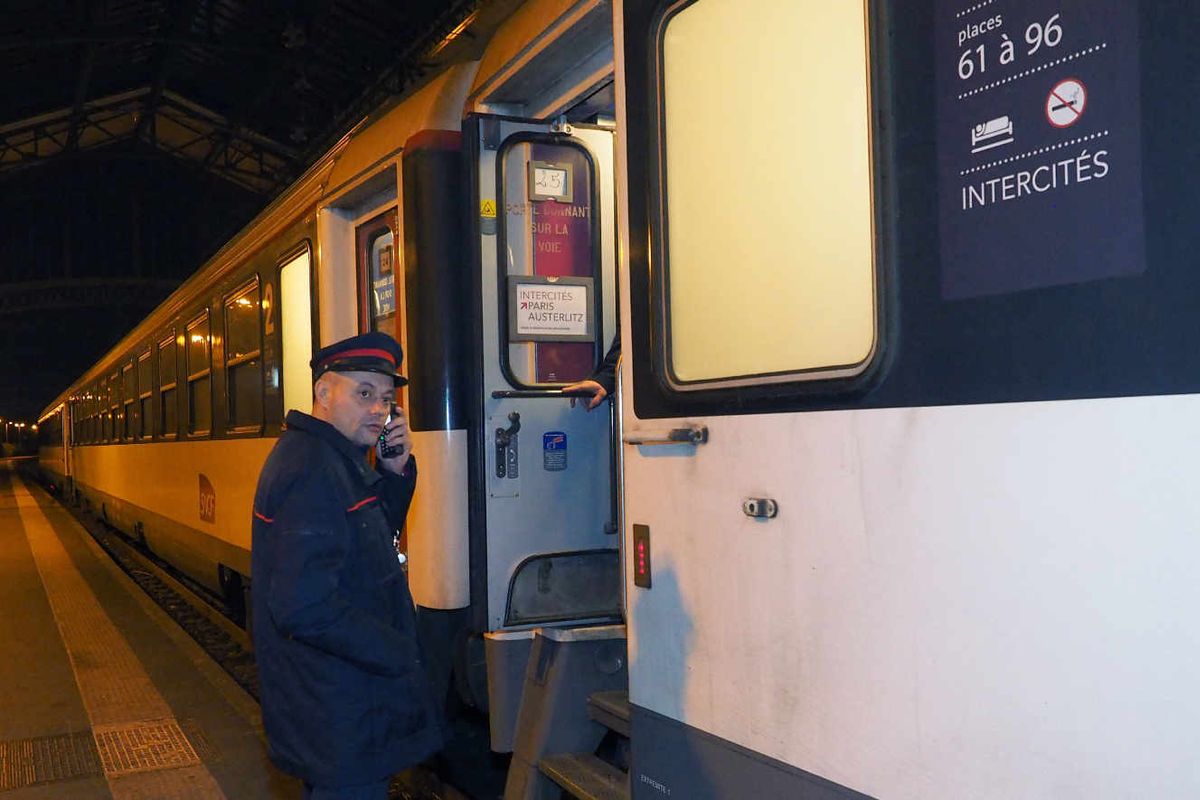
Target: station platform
x,y
101,693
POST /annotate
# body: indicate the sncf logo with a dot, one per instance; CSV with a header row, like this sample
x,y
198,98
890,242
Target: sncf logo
x,y
208,500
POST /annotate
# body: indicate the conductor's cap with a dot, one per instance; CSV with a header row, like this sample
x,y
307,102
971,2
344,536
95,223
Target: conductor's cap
x,y
367,352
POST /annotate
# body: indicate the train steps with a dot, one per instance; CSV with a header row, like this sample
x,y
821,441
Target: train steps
x,y
611,709
572,714
587,776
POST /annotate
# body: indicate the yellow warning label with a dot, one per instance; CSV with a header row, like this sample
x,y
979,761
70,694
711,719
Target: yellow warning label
x,y
487,208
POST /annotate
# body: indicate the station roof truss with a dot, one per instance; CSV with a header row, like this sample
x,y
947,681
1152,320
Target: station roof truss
x,y
250,90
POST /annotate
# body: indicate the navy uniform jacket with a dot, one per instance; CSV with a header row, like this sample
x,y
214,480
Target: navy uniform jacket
x,y
345,697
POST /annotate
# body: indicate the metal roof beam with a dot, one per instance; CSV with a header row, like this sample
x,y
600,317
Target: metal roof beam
x,y
86,56
165,58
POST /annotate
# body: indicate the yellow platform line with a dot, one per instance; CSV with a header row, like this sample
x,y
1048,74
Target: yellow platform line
x,y
143,751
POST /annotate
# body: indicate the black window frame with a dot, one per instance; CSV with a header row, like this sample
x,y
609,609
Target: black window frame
x,y
230,365
166,392
502,274
202,318
145,393
654,395
114,407
130,430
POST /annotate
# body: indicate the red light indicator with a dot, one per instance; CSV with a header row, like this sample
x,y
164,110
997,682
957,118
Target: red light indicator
x,y
641,547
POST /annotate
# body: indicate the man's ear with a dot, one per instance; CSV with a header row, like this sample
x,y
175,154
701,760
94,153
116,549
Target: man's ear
x,y
322,390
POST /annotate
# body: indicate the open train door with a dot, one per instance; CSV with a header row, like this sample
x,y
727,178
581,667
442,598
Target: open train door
x,y
547,312
751,287
544,552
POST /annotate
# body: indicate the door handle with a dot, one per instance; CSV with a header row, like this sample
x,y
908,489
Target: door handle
x,y
692,434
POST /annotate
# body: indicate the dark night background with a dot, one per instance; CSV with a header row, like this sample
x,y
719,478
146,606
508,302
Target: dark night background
x,y
136,137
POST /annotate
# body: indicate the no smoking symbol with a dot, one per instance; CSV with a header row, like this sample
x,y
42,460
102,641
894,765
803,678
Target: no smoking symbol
x,y
1066,102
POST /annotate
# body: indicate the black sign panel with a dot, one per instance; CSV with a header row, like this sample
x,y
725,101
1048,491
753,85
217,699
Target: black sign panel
x,y
1039,144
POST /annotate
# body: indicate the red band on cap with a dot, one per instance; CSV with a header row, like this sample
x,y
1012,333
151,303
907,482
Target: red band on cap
x,y
369,352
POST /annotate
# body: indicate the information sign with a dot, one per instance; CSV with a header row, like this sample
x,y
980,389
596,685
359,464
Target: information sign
x,y
550,309
554,451
1039,143
384,291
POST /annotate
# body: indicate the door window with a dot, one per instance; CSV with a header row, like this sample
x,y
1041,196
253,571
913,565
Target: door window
x,y
549,262
376,246
296,319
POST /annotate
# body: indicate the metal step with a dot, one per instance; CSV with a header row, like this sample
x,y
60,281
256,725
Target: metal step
x,y
610,709
585,776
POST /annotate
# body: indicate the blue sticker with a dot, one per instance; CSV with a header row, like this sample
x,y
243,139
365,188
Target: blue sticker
x,y
1039,143
554,451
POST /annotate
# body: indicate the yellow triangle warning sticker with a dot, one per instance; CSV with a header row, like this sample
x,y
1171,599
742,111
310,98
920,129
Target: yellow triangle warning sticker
x,y
487,208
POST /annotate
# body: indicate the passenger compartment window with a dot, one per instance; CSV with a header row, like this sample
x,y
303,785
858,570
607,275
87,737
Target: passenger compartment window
x,y
113,425
243,358
167,394
199,376
145,394
96,414
129,392
766,231
94,432
76,407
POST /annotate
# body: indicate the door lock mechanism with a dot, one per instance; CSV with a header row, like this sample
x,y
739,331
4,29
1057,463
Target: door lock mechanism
x,y
506,447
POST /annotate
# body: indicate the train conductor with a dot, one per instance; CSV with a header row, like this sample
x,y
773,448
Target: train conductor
x,y
346,701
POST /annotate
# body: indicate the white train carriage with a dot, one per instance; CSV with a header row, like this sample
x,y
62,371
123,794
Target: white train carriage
x,y
933,540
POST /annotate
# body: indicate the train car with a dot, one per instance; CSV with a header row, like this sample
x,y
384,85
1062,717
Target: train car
x,y
895,497
53,447
919,281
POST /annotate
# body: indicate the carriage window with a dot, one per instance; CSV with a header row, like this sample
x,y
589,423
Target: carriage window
x,y
549,257
167,394
243,361
95,420
77,421
145,393
199,376
376,245
129,397
114,407
95,433
788,292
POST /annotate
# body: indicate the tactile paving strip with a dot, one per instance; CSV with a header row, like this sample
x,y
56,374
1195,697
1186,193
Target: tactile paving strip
x,y
144,746
25,762
134,732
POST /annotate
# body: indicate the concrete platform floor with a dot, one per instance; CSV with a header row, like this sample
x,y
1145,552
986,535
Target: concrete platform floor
x,y
101,694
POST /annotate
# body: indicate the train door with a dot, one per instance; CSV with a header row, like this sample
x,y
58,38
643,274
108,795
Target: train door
x,y
547,287
751,272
